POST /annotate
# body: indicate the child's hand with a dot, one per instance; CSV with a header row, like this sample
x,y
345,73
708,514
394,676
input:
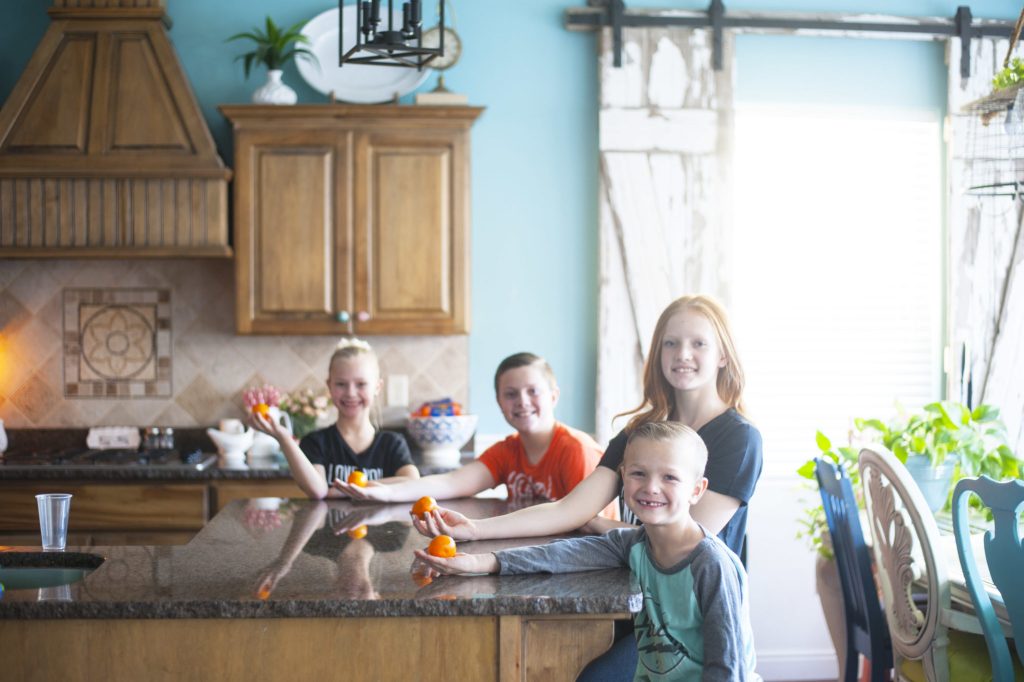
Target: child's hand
x,y
460,564
268,426
443,521
371,492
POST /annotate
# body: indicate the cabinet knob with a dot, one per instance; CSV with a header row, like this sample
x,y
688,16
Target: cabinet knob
x,y
343,316
363,316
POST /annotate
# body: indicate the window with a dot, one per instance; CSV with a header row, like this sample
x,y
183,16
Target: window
x,y
837,294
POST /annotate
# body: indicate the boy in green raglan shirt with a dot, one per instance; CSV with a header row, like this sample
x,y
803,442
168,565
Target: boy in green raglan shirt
x,y
694,624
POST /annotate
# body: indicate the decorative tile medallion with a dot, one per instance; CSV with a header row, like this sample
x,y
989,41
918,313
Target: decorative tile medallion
x,y
117,343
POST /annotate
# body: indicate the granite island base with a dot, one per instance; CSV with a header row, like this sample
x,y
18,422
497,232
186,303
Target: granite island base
x,y
309,588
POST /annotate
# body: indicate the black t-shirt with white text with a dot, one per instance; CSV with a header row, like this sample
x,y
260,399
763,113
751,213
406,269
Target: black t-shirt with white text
x,y
734,465
386,455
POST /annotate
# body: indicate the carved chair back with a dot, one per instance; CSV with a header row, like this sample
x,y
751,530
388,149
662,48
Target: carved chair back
x,y
904,539
1005,557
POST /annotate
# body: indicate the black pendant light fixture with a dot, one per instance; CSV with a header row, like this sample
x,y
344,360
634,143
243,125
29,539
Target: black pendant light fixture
x,y
380,41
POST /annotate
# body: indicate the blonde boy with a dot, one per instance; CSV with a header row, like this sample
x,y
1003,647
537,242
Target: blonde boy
x,y
543,460
694,623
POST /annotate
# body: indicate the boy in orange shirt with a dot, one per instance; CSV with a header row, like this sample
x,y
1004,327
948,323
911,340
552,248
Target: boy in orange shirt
x,y
542,461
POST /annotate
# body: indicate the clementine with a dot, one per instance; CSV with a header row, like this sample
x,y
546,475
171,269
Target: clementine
x,y
357,478
424,505
264,593
357,533
261,409
442,546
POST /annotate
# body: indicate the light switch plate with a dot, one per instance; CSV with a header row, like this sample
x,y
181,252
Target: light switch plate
x,y
398,390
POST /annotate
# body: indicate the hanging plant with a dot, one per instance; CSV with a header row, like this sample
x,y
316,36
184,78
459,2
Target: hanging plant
x,y
1012,74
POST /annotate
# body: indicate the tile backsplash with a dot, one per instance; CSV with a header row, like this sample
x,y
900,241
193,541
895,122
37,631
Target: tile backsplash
x,y
152,342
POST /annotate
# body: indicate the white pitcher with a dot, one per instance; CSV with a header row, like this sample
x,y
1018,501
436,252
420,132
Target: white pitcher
x,y
232,440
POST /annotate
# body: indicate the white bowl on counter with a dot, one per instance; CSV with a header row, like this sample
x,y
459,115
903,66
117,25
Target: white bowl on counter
x,y
441,438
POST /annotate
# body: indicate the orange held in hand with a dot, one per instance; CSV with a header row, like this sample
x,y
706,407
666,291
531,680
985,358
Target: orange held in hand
x,y
442,546
357,478
261,409
424,505
358,533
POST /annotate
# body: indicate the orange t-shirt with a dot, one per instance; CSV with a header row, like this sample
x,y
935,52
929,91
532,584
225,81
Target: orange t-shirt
x,y
570,458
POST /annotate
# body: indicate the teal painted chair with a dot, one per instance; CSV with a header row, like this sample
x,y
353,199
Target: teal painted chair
x,y
1005,557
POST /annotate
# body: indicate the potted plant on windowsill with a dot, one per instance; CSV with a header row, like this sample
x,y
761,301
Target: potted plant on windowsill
x,y
273,47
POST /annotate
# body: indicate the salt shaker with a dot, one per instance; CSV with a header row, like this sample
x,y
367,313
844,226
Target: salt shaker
x,y
167,440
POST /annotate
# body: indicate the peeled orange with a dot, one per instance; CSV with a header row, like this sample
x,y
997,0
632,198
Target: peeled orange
x,y
424,505
357,478
442,546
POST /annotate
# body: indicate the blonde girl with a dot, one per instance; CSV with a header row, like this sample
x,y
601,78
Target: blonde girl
x,y
692,375
354,442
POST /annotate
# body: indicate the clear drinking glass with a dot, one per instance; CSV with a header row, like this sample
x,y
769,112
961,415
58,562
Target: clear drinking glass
x,y
54,509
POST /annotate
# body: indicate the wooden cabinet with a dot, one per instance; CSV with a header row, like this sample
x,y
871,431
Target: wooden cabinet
x,y
147,513
351,219
223,492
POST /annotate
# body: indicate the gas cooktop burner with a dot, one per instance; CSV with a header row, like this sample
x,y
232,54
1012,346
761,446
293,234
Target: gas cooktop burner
x,y
88,458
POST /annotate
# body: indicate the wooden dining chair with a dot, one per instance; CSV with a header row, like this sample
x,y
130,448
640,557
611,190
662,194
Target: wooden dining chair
x,y
1005,557
866,631
930,641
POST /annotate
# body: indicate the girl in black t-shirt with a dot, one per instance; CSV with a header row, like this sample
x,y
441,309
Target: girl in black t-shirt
x,y
354,382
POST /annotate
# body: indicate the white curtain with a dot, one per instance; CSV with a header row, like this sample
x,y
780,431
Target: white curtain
x,y
986,281
665,137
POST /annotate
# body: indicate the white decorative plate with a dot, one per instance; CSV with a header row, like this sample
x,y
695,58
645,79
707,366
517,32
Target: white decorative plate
x,y
360,83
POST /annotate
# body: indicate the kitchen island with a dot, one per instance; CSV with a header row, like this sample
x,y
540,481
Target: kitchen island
x,y
274,590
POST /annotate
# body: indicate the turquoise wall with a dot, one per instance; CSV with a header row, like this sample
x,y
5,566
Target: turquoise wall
x,y
534,150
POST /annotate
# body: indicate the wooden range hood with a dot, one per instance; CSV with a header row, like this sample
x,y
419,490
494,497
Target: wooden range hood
x,y
103,149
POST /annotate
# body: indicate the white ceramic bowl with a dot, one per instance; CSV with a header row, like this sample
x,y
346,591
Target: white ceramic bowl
x,y
440,438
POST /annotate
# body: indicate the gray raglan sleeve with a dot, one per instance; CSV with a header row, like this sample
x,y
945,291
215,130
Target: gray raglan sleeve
x,y
589,553
719,588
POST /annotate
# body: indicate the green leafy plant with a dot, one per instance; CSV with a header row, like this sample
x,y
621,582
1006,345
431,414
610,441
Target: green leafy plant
x,y
1010,75
976,438
274,46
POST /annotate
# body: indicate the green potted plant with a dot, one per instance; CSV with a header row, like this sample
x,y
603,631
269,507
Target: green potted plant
x,y
941,444
273,47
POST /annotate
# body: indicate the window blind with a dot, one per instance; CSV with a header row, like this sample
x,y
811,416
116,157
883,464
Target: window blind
x,y
838,293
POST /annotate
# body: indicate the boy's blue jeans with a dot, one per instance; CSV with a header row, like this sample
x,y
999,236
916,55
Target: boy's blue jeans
x,y
618,663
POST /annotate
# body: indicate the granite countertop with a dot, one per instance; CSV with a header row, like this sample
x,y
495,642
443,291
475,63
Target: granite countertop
x,y
186,439
298,561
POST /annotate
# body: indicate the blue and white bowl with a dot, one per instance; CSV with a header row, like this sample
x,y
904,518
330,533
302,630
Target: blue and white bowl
x,y
441,438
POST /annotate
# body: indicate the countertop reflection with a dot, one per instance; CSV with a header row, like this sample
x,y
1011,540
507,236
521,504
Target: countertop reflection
x,y
269,557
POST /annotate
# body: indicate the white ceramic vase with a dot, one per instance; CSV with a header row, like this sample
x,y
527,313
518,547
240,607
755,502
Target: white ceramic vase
x,y
274,91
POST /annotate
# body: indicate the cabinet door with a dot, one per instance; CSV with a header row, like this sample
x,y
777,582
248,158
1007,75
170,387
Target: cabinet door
x,y
293,261
412,238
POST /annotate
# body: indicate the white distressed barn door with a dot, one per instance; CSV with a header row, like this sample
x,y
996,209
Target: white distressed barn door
x,y
986,279
665,136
